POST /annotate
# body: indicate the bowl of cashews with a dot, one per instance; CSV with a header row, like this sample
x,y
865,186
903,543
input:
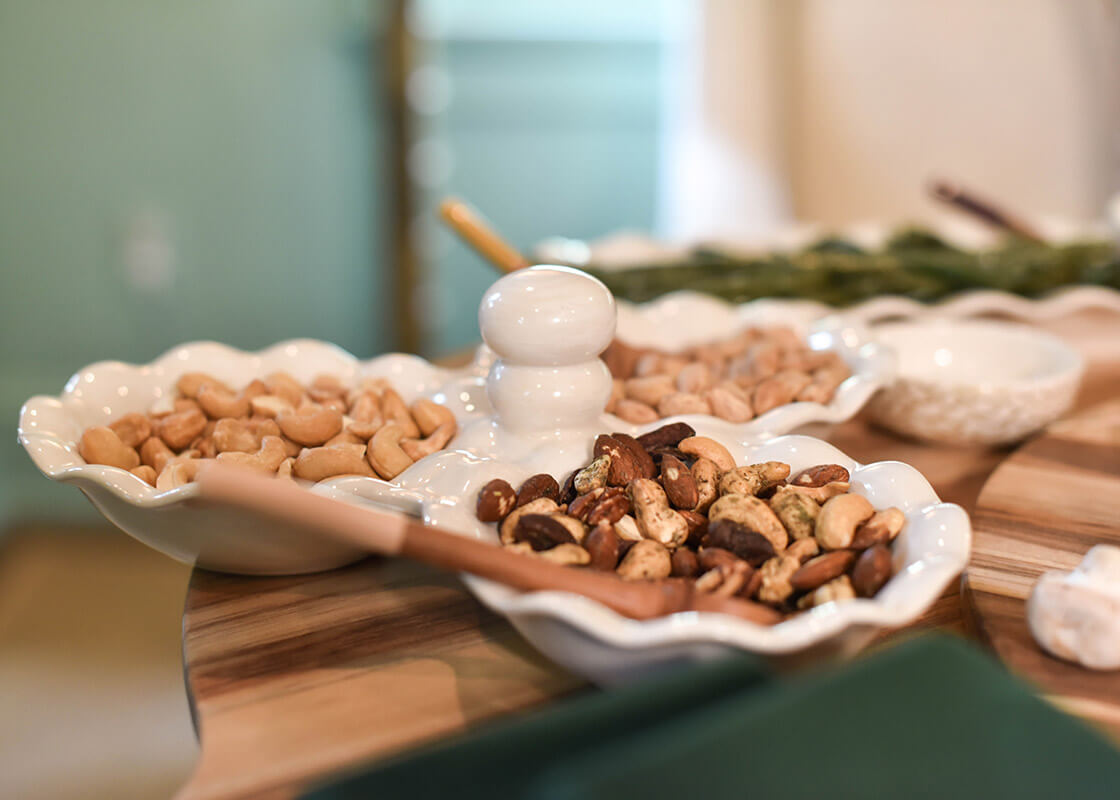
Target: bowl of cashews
x,y
133,437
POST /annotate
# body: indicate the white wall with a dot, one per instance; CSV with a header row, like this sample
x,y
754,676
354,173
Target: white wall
x,y
850,107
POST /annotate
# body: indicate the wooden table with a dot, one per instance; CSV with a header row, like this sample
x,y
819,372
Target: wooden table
x,y
294,678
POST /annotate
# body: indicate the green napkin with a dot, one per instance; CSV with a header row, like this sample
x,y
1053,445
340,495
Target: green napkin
x,y
928,718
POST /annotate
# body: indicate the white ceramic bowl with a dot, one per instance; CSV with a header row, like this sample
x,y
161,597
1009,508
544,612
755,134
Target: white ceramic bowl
x,y
975,381
684,319
594,641
171,521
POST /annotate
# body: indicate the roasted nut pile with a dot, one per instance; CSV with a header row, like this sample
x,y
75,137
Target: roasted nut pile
x,y
736,379
671,504
275,425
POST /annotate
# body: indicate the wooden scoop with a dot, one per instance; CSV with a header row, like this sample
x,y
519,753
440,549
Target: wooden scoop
x,y
983,209
392,533
473,230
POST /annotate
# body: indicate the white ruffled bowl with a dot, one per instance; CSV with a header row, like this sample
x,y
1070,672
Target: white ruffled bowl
x,y
173,522
594,641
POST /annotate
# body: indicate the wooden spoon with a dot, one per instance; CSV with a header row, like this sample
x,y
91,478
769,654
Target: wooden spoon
x,y
983,209
473,230
393,533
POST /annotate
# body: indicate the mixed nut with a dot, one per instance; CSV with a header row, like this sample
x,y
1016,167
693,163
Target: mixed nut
x,y
737,379
275,425
671,504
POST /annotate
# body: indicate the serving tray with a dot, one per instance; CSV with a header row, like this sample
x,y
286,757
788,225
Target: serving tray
x,y
1042,509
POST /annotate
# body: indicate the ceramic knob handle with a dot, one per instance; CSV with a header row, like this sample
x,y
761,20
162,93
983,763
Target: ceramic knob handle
x,y
548,326
547,316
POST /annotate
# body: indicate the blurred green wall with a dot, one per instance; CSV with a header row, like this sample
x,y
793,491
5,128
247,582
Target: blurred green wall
x,y
239,132
240,142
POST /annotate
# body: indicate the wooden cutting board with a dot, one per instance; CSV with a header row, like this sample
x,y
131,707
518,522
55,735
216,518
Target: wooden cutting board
x,y
1042,509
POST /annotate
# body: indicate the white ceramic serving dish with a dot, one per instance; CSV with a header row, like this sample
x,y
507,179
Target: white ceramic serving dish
x,y
548,431
594,641
975,381
171,521
543,420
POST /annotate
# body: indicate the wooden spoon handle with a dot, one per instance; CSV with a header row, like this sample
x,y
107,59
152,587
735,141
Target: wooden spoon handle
x,y
466,222
392,533
983,209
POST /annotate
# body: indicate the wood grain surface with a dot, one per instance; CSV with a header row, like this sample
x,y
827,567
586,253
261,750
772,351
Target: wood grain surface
x,y
1042,509
294,678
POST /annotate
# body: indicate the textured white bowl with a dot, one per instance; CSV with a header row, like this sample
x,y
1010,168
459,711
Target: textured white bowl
x,y
596,642
975,381
685,319
172,521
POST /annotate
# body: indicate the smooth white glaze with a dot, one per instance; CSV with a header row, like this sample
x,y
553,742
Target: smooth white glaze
x,y
547,316
547,327
975,381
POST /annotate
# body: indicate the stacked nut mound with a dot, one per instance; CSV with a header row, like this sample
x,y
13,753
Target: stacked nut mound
x,y
671,504
275,425
737,379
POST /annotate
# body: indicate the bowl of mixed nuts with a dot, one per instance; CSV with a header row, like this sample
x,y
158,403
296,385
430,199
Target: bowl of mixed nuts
x,y
133,438
768,366
833,550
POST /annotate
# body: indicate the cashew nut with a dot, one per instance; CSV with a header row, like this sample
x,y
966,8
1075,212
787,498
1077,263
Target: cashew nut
x,y
235,434
430,415
706,474
310,425
635,412
645,560
542,505
835,590
797,511
191,383
155,454
134,429
393,409
778,390
102,445
694,378
593,476
181,428
145,473
285,468
682,403
741,480
881,528
385,454
656,520
365,430
416,449
218,402
366,408
752,513
178,472
776,587
803,549
267,459
649,390
320,463
270,405
703,447
839,518
729,405
820,494
285,386
627,528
